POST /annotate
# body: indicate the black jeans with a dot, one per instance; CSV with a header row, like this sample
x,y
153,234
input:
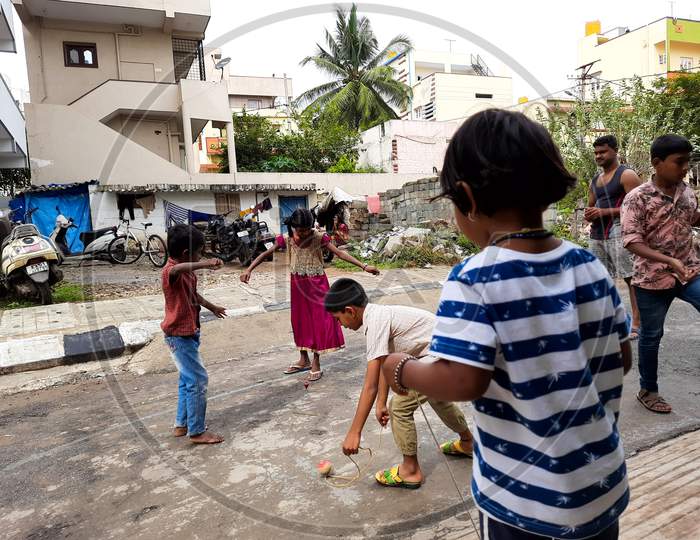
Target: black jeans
x,y
495,530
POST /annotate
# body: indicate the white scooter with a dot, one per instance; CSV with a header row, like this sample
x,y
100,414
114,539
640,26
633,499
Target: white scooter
x,y
29,264
95,243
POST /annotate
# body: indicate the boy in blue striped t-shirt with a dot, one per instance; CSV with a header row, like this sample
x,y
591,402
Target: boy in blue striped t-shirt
x,y
532,330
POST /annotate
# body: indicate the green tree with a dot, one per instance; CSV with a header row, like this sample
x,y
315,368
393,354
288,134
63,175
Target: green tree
x,y
12,181
363,91
680,96
636,114
317,143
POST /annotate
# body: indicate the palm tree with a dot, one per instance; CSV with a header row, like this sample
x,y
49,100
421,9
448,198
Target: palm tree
x,y
364,91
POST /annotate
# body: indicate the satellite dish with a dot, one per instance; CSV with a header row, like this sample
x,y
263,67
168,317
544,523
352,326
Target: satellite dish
x,y
222,63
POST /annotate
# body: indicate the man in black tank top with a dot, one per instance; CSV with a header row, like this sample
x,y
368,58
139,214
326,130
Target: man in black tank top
x,y
605,195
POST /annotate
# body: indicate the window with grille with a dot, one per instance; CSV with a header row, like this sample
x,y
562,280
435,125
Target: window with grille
x,y
686,63
80,55
188,58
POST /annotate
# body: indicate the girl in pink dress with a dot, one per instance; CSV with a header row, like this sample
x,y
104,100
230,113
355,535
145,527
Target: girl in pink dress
x,y
315,330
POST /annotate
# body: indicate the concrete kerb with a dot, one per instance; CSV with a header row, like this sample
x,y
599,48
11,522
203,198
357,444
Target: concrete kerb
x,y
110,342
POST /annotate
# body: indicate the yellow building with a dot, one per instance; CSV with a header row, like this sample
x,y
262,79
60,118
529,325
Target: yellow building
x,y
662,48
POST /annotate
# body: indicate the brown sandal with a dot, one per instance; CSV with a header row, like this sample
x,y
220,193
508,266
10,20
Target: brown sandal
x,y
653,402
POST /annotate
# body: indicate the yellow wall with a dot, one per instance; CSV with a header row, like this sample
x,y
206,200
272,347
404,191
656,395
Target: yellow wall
x,y
689,50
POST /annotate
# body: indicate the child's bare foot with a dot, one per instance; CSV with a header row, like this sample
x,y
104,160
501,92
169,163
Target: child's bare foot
x,y
179,431
207,438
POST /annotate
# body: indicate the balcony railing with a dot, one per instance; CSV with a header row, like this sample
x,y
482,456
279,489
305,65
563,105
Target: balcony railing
x,y
188,57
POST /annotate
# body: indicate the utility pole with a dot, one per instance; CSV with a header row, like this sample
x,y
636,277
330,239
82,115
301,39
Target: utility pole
x,y
450,42
581,81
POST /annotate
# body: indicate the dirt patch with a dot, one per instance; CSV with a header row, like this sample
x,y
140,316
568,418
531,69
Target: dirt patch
x,y
104,281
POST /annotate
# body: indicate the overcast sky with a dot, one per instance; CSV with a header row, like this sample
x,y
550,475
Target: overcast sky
x,y
541,35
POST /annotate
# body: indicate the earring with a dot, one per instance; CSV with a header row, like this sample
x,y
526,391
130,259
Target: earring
x,y
470,217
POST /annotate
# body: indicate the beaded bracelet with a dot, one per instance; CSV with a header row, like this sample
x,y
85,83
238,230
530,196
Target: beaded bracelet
x,y
398,371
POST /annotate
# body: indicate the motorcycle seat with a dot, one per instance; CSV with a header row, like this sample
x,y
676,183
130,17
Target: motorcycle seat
x,y
87,237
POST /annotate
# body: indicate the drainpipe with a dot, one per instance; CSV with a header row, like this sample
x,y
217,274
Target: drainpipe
x,y
169,135
119,61
40,26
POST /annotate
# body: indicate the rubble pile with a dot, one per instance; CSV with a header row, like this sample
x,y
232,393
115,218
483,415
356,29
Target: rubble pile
x,y
431,243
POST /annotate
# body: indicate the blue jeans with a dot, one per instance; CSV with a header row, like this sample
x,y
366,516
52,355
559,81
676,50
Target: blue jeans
x,y
192,387
653,306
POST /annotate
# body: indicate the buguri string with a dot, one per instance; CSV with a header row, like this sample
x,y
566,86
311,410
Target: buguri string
x,y
414,394
346,481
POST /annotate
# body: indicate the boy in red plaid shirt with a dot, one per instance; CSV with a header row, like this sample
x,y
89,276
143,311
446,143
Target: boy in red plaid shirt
x,y
181,328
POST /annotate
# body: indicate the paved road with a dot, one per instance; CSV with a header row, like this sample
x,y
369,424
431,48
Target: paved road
x,y
95,459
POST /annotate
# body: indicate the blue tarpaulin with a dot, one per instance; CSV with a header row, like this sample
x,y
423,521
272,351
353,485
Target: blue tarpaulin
x,y
73,202
17,207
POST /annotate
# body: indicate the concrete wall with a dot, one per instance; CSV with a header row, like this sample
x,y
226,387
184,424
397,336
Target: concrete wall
x,y
103,101
455,94
259,86
66,147
687,50
407,146
238,103
7,29
148,57
355,184
13,138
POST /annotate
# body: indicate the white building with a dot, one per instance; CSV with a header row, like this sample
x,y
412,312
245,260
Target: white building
x,y
407,146
418,146
449,85
13,137
667,47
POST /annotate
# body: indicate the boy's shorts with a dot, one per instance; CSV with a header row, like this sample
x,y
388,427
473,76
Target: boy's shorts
x,y
617,260
495,530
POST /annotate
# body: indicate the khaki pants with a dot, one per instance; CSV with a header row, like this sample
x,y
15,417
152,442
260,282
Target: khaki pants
x,y
403,426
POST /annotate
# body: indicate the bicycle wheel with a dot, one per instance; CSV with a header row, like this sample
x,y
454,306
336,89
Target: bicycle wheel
x,y
157,251
124,250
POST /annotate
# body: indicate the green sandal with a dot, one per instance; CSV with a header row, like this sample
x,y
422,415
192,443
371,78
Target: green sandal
x,y
454,448
390,478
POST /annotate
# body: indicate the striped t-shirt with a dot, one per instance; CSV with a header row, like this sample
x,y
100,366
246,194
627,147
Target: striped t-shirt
x,y
547,456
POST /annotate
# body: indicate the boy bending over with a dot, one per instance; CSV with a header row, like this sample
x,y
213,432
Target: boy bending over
x,y
390,329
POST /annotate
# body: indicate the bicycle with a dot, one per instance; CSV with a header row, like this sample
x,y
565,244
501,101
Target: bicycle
x,y
127,248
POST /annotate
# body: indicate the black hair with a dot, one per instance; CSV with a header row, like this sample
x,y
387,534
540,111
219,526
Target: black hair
x,y
664,146
343,293
183,237
301,218
508,160
609,140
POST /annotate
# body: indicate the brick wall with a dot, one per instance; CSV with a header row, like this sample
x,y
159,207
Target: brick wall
x,y
408,206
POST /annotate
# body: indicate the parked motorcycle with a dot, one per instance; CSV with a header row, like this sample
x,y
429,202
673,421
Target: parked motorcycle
x,y
29,264
226,240
95,243
262,238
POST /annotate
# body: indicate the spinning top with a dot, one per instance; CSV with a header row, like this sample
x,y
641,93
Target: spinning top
x,y
325,468
306,384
